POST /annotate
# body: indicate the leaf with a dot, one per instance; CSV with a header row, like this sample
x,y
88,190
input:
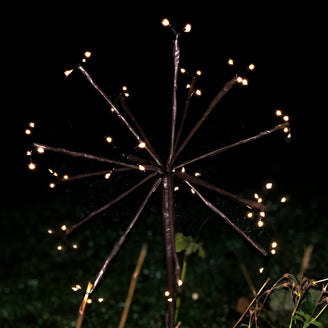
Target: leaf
x,y
182,242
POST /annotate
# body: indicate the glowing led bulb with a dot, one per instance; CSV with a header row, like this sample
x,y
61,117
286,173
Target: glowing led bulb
x,y
197,174
63,227
199,72
188,86
244,82
283,199
31,166
239,79
165,22
89,301
142,145
230,61
182,70
59,247
193,191
75,246
260,224
278,112
183,170
274,244
273,251
107,175
32,124
198,92
126,94
251,67
40,150
87,54
286,118
187,28
28,131
249,215
68,72
170,299
141,167
65,177
268,185
52,185
100,299
28,153
109,139
50,231
176,188
261,270
166,293
262,214
256,196
259,200
124,88
179,282
286,129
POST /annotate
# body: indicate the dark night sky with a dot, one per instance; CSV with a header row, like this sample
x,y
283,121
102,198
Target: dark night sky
x,y
130,46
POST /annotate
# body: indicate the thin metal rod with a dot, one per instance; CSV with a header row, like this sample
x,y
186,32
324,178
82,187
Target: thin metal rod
x,y
238,143
84,155
247,202
116,111
190,93
138,126
92,174
176,59
168,217
214,102
105,207
227,220
119,244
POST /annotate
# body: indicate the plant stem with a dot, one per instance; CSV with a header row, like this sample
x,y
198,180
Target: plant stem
x,y
132,286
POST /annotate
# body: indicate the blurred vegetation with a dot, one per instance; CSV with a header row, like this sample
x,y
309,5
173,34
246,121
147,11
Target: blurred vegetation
x,y
36,278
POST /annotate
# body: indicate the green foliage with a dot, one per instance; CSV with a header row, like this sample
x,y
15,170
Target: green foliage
x,y
306,319
189,245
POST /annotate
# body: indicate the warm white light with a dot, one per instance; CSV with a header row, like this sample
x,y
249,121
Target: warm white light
x,y
283,199
278,112
197,174
124,88
100,299
179,282
261,270
183,170
28,153
107,175
141,167
176,188
199,72
188,86
165,22
52,185
31,166
259,200
49,231
193,191
68,72
32,124
109,139
239,79
27,131
260,224
40,150
65,177
187,28
194,296
112,109
59,247
274,244
75,246
244,82
182,70
89,301
87,54
262,214
268,185
286,118
166,293
170,299
63,227
249,215
286,129
198,92
273,251
142,145
126,94
230,61
251,67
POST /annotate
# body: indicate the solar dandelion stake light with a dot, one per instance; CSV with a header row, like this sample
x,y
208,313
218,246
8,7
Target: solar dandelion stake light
x,y
159,173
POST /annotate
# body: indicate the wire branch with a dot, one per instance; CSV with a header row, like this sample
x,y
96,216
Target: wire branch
x,y
84,155
227,220
105,207
119,244
116,111
214,102
238,143
223,192
138,126
176,59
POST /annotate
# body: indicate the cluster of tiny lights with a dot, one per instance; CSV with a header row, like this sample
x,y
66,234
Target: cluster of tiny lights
x,y
170,175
